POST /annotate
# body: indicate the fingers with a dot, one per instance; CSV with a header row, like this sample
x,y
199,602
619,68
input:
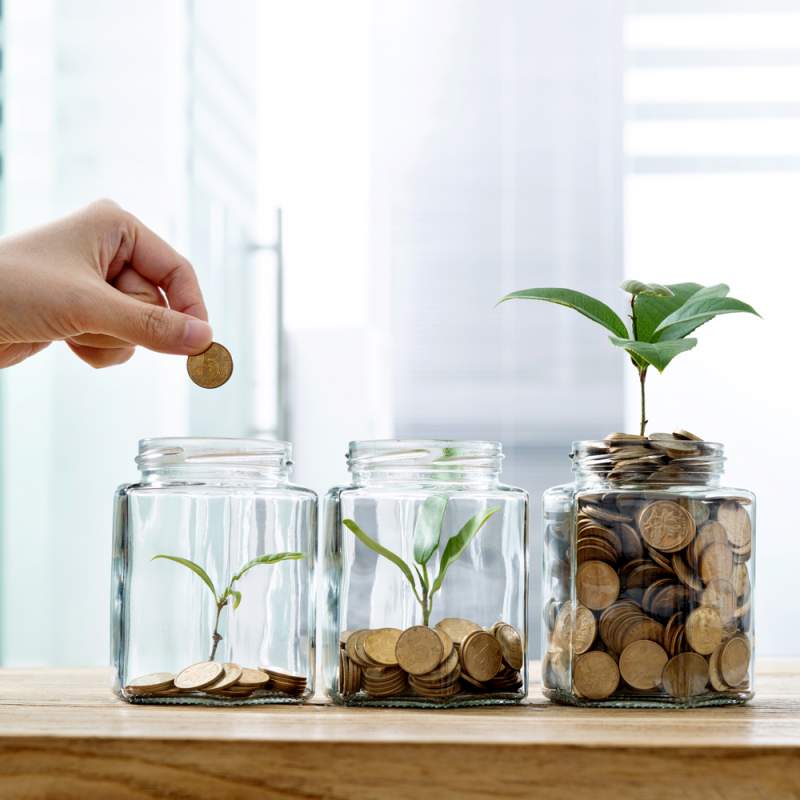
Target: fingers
x,y
11,354
162,266
100,357
155,327
134,285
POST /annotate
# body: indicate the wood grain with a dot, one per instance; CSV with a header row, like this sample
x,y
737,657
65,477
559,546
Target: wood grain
x,y
62,734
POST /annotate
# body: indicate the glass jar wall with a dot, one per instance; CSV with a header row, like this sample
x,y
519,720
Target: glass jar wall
x,y
648,577
212,597
425,578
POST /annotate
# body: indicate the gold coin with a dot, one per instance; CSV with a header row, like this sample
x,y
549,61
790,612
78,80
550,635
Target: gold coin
x,y
721,595
380,645
685,675
253,678
734,660
154,682
716,562
510,645
230,676
597,584
704,630
445,673
448,645
211,368
642,663
595,675
714,675
200,675
736,522
666,526
481,655
419,650
576,630
456,628
352,645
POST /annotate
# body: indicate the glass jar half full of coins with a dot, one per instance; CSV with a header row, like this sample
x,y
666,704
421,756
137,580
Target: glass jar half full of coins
x,y
648,577
212,598
426,569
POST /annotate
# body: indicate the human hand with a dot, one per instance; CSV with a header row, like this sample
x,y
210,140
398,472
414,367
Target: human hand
x,y
101,281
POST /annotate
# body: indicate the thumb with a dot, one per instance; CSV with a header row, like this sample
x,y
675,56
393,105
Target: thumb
x,y
155,327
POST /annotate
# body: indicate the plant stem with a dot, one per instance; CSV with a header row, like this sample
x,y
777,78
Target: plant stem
x,y
426,610
642,371
215,637
643,416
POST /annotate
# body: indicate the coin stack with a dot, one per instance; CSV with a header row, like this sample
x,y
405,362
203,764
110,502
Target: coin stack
x,y
217,680
662,594
457,657
623,458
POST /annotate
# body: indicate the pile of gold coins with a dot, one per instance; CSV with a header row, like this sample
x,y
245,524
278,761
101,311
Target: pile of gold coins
x,y
453,658
624,458
662,596
217,680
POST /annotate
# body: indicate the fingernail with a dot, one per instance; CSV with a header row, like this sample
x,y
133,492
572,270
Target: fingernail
x,y
197,335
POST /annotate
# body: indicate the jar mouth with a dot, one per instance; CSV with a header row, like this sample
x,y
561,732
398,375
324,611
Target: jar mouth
x,y
435,456
660,460
175,452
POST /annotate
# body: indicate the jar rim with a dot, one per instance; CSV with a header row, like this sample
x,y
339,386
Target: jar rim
x,y
428,455
174,451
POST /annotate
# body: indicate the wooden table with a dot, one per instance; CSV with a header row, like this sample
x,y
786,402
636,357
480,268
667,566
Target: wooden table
x,y
63,734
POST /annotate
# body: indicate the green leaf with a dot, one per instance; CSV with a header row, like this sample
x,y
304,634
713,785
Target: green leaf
x,y
649,289
651,311
196,568
595,310
380,550
657,354
428,528
698,310
458,543
237,598
273,558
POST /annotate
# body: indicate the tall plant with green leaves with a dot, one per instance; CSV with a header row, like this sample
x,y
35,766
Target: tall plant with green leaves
x,y
229,595
427,534
661,319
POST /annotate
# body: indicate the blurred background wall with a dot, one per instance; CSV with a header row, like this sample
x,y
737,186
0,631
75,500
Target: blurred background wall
x,y
427,158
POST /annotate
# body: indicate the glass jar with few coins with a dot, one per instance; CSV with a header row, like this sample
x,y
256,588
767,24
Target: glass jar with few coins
x,y
648,577
212,598
425,576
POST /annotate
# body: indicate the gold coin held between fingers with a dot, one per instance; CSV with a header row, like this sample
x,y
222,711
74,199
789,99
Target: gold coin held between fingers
x,y
199,675
211,368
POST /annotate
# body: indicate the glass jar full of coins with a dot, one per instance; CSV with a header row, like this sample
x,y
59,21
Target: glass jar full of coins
x,y
212,597
425,578
648,577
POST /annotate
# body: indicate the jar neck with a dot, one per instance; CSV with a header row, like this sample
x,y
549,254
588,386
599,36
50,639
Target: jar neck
x,y
660,461
425,462
214,461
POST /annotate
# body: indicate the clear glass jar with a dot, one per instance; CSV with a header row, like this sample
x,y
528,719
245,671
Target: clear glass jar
x,y
426,570
648,577
212,598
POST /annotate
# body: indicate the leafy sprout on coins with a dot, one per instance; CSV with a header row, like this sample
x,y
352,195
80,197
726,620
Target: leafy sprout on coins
x,y
427,533
229,594
661,319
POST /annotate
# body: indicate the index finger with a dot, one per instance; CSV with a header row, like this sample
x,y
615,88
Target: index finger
x,y
163,266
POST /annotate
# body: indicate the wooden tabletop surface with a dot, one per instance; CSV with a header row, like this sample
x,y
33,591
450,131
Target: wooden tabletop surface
x,y
63,734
